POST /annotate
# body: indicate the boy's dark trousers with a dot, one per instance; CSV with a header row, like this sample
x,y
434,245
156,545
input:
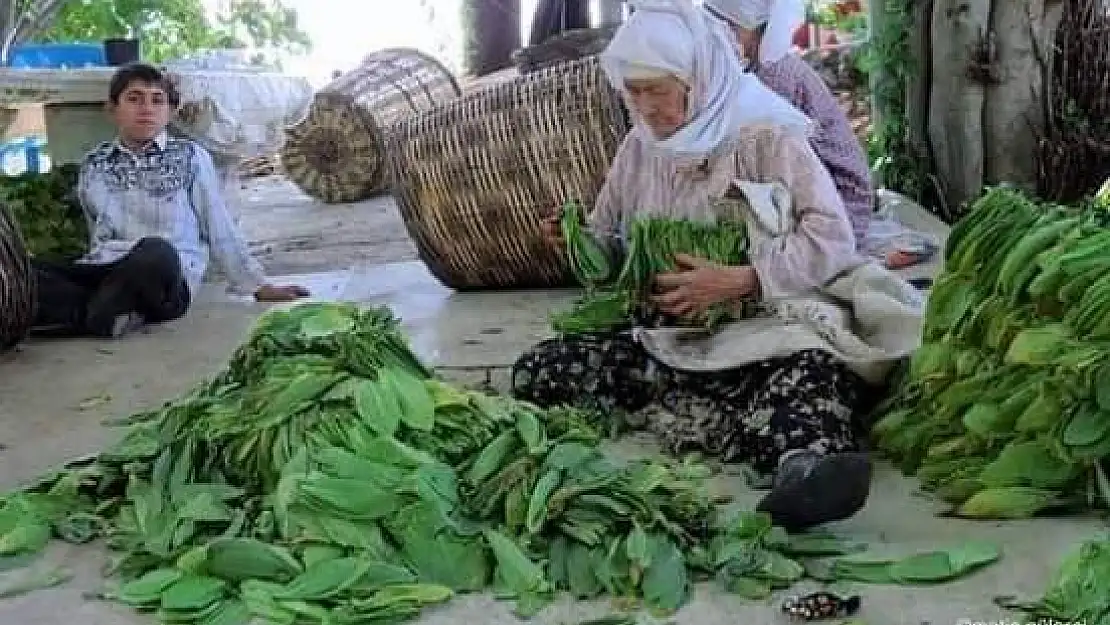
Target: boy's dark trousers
x,y
83,299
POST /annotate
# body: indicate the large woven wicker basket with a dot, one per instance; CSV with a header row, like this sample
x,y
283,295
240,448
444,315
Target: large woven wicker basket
x,y
336,153
17,283
474,178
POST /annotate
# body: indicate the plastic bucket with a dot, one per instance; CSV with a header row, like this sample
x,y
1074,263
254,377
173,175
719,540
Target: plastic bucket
x,y
121,51
56,56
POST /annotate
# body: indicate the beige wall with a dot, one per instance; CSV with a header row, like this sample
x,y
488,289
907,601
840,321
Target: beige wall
x,y
25,120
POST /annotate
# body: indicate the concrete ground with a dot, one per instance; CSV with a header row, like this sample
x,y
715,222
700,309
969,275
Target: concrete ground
x,y
54,397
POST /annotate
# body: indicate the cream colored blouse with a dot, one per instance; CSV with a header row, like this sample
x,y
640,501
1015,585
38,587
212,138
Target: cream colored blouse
x,y
643,181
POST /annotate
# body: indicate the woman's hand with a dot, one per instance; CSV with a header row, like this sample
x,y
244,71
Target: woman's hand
x,y
699,284
552,228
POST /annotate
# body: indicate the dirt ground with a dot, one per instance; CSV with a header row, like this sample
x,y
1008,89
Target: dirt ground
x,y
291,234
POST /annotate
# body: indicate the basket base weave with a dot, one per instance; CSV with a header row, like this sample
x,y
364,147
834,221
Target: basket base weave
x,y
334,155
337,153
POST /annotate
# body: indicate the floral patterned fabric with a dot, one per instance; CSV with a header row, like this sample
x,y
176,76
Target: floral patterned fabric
x,y
755,414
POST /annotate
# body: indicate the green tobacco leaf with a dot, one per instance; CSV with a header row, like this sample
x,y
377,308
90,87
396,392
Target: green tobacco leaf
x,y
192,592
817,545
515,569
666,584
921,568
378,406
148,589
438,555
748,587
325,579
417,405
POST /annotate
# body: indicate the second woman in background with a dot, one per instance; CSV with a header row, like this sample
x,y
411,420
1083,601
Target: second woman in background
x,y
764,31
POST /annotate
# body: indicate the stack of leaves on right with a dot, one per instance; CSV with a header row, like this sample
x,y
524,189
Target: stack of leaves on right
x,y
1004,410
1078,591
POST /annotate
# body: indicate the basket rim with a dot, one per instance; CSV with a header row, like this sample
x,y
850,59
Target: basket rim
x,y
400,134
494,89
406,51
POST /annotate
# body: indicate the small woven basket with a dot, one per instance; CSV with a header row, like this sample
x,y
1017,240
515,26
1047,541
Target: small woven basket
x,y
474,178
17,283
336,154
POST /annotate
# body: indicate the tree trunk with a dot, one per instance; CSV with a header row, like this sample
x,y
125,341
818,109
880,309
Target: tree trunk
x,y
491,34
984,63
955,121
1015,104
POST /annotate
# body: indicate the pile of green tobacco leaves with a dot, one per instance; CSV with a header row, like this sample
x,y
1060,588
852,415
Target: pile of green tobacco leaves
x,y
1079,592
1004,411
614,299
327,477
48,213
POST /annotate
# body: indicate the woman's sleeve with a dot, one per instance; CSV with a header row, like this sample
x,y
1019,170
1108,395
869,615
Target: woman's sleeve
x,y
821,243
609,206
606,221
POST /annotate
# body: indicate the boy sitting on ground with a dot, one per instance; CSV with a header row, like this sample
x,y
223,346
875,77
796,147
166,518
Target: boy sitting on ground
x,y
156,216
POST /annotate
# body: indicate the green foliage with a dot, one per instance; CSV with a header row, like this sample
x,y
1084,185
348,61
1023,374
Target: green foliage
x,y
888,53
48,213
174,28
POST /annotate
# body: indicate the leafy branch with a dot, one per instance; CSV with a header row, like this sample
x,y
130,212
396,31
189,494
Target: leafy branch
x,y
888,53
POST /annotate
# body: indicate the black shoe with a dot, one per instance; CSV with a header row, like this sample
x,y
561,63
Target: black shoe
x,y
812,489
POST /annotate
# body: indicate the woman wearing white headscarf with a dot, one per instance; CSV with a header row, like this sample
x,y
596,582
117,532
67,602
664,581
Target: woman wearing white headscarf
x,y
764,31
704,129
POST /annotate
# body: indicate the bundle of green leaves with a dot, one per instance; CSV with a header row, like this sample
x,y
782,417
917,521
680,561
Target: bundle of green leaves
x,y
616,298
1079,591
48,213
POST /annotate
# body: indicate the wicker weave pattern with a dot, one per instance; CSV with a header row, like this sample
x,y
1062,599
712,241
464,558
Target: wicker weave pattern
x,y
17,283
473,178
336,153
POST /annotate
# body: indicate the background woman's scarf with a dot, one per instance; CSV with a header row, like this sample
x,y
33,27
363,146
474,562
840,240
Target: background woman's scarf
x,y
780,17
675,37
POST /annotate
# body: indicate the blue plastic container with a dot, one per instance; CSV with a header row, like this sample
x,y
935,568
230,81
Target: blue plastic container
x,y
57,56
24,155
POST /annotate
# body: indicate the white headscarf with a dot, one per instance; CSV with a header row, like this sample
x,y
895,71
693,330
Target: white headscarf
x,y
781,17
673,37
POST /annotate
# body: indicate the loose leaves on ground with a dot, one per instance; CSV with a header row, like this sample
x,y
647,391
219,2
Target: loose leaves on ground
x,y
277,490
